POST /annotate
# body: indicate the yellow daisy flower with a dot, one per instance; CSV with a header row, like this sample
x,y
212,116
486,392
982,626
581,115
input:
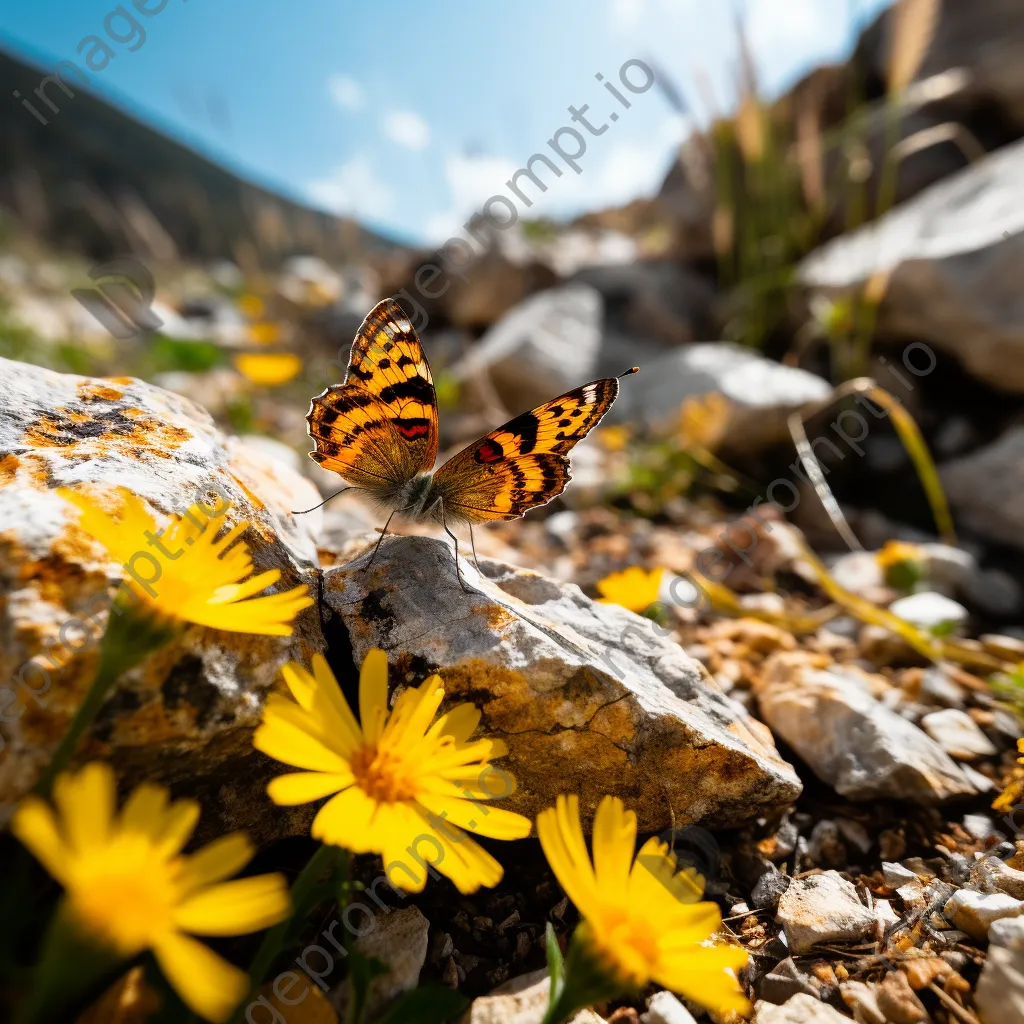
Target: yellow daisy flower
x,y
268,369
1013,793
642,920
893,552
129,888
405,786
187,572
634,588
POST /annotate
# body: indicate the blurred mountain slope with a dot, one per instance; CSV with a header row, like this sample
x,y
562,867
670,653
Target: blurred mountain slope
x,y
96,180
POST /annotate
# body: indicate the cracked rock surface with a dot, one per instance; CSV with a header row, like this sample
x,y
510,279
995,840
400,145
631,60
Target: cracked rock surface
x,y
186,713
589,697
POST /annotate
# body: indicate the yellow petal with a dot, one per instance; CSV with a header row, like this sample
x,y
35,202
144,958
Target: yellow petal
x,y
85,801
305,787
353,820
561,838
373,694
218,860
485,821
35,826
207,984
459,723
144,810
235,908
286,742
614,840
178,826
701,975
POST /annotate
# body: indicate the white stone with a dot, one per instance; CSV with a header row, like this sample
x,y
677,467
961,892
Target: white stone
x,y
958,734
852,741
896,875
928,609
821,909
999,995
1007,932
665,1008
884,912
522,1000
798,1009
973,912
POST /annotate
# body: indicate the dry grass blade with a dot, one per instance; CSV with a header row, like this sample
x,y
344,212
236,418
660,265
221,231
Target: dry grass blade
x,y
817,478
914,443
727,602
750,130
912,26
949,131
809,157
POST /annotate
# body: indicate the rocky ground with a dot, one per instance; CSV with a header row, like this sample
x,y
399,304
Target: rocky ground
x,y
818,717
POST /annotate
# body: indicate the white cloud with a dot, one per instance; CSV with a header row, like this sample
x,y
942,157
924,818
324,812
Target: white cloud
x,y
346,92
471,181
407,129
354,188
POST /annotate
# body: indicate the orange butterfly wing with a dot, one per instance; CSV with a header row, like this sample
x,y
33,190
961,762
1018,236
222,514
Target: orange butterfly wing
x,y
523,463
380,426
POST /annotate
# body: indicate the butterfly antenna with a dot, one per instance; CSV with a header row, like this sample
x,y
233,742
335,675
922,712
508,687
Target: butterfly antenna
x,y
324,502
632,369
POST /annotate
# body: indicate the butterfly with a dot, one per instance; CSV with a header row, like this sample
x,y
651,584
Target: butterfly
x,y
378,431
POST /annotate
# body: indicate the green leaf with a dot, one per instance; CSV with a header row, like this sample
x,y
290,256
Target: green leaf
x,y
556,965
362,970
432,1004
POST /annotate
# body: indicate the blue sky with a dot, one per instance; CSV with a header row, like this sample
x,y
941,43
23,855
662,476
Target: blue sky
x,y
408,115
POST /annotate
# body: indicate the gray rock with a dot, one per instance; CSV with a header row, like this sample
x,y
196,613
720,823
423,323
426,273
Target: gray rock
x,y
999,995
784,981
986,488
823,908
958,734
399,940
799,1009
1002,877
658,301
928,610
768,889
187,715
589,698
995,591
761,393
858,571
948,569
852,741
955,275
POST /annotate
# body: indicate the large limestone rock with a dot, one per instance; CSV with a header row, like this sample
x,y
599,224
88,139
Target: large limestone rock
x,y
186,713
956,254
522,1000
589,698
850,740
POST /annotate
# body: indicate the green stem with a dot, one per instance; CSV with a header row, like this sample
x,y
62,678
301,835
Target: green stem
x,y
302,891
129,637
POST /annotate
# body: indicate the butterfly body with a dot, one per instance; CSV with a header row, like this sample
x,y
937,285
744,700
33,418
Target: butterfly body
x,y
378,430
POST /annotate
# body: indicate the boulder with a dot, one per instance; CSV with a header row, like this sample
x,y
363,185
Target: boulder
x,y
657,301
761,392
986,488
956,261
545,345
186,713
851,740
590,698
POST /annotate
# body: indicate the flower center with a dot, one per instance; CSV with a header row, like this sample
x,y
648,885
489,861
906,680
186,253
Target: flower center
x,y
383,775
127,908
629,946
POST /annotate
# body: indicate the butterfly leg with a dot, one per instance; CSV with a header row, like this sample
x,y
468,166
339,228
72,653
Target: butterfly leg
x,y
455,540
472,541
380,539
